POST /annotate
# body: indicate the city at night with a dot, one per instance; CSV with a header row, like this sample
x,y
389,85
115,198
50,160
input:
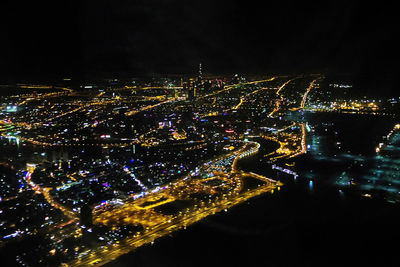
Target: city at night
x,y
209,133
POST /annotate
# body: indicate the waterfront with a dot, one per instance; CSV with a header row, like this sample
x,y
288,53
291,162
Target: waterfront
x,y
311,221
199,133
269,164
297,226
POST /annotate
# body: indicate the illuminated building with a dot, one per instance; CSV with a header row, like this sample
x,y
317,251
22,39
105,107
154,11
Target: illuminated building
x,y
190,88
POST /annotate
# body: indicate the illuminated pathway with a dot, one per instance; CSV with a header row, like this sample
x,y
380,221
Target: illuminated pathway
x,y
284,151
133,112
229,87
304,98
303,101
303,144
242,98
215,185
46,193
53,94
387,138
142,210
111,252
280,97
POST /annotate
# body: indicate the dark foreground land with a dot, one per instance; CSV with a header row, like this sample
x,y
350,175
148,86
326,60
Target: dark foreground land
x,y
297,226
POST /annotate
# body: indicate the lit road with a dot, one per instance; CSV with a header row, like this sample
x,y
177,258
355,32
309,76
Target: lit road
x,y
229,87
157,225
304,98
280,97
112,252
143,200
285,139
133,112
242,98
46,193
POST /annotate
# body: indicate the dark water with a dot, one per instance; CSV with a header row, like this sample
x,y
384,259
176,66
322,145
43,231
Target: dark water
x,y
294,227
311,221
342,151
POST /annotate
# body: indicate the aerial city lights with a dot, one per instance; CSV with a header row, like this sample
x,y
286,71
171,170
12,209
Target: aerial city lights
x,y
107,167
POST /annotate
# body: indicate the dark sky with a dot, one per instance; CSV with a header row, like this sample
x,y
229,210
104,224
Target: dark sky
x,y
43,39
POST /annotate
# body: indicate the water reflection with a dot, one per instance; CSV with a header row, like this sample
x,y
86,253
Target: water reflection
x,y
311,185
342,152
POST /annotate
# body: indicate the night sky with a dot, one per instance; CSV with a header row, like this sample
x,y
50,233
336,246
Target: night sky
x,y
43,39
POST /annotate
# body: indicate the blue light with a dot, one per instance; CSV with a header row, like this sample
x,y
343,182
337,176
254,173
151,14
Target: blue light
x,y
311,185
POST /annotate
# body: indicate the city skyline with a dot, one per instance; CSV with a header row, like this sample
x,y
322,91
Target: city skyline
x,y
92,175
199,133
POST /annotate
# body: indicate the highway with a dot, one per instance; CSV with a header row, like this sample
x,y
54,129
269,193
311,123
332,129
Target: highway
x,y
112,252
156,225
285,139
229,87
46,193
133,112
280,97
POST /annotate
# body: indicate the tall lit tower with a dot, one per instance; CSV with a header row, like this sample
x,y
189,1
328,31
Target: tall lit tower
x,y
200,73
